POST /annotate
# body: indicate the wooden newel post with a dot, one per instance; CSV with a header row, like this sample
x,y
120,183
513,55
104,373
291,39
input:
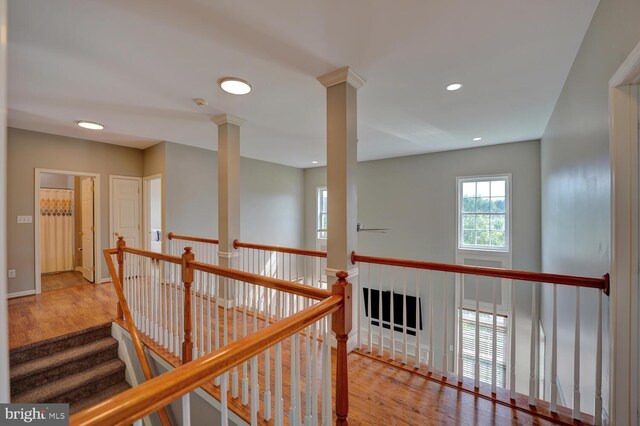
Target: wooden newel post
x,y
341,326
120,245
187,279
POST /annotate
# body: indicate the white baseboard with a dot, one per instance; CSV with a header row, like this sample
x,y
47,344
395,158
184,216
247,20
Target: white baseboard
x,y
105,280
78,268
21,294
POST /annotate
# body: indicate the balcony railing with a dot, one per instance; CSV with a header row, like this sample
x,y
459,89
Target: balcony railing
x,y
244,332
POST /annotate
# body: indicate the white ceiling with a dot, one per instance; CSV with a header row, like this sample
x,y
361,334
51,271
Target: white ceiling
x,y
135,66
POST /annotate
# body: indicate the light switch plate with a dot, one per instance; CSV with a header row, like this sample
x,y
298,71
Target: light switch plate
x,y
25,219
12,273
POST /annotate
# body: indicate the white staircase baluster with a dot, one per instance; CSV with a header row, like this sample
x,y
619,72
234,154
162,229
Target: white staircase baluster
x,y
576,361
476,370
380,327
405,351
494,340
532,352
431,363
418,320
186,410
445,346
512,341
598,398
460,283
553,405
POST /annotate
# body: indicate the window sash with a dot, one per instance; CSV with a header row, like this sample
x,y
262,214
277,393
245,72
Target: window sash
x,y
468,328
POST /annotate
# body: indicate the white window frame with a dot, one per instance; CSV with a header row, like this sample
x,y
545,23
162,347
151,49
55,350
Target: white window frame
x,y
319,191
459,195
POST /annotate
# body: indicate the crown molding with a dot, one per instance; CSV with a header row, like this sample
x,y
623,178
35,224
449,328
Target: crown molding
x,y
228,119
341,75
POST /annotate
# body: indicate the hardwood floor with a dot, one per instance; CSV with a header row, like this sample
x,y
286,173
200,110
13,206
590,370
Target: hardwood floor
x,y
380,393
58,280
58,312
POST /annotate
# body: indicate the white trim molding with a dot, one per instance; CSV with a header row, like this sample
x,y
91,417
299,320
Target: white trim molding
x,y
227,255
341,75
21,294
221,119
623,299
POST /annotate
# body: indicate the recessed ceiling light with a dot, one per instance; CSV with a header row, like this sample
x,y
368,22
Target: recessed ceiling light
x,y
477,139
314,162
454,86
235,86
90,125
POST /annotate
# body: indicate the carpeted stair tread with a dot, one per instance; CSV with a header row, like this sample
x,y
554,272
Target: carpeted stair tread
x,y
76,385
58,359
57,344
100,396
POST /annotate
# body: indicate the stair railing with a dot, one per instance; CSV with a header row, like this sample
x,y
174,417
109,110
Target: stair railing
x,y
204,249
220,322
403,318
291,264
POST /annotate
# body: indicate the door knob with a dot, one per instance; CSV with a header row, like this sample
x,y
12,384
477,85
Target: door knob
x,y
116,234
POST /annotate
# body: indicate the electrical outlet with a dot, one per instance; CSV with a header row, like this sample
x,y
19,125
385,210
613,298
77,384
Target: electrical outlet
x,y
450,347
25,219
11,273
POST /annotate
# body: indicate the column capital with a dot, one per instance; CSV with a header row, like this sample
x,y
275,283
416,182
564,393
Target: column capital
x,y
341,75
221,119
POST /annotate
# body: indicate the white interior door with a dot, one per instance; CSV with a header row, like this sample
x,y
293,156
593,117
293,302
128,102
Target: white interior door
x,y
88,229
125,210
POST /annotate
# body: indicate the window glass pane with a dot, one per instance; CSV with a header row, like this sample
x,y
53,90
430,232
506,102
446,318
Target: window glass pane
x,y
483,189
497,239
498,188
468,204
482,222
482,238
469,237
468,189
483,205
497,222
468,221
497,205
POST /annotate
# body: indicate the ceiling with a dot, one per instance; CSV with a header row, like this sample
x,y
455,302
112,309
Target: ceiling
x,y
135,67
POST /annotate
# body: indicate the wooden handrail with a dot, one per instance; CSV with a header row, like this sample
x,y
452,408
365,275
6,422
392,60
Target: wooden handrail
x,y
172,236
137,344
273,283
302,252
153,255
135,403
599,283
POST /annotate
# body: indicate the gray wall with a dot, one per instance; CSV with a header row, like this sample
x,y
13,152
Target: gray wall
x,y
272,203
271,199
416,198
30,150
575,175
190,190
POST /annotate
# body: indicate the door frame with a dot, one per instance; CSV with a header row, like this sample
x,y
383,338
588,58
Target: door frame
x,y
111,178
145,209
97,263
625,244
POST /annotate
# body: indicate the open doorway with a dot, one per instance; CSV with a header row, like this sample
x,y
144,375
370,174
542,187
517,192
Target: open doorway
x,y
66,223
153,213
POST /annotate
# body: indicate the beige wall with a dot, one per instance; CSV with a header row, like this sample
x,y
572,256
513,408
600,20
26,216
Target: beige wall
x,y
30,150
576,193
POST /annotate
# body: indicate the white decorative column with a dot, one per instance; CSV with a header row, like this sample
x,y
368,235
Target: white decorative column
x,y
342,186
228,187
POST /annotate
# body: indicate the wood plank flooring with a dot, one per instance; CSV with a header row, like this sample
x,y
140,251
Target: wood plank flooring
x,y
60,280
380,393
58,312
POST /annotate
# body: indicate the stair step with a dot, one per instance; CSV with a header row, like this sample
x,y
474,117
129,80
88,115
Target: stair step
x,y
57,344
97,397
42,370
76,386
